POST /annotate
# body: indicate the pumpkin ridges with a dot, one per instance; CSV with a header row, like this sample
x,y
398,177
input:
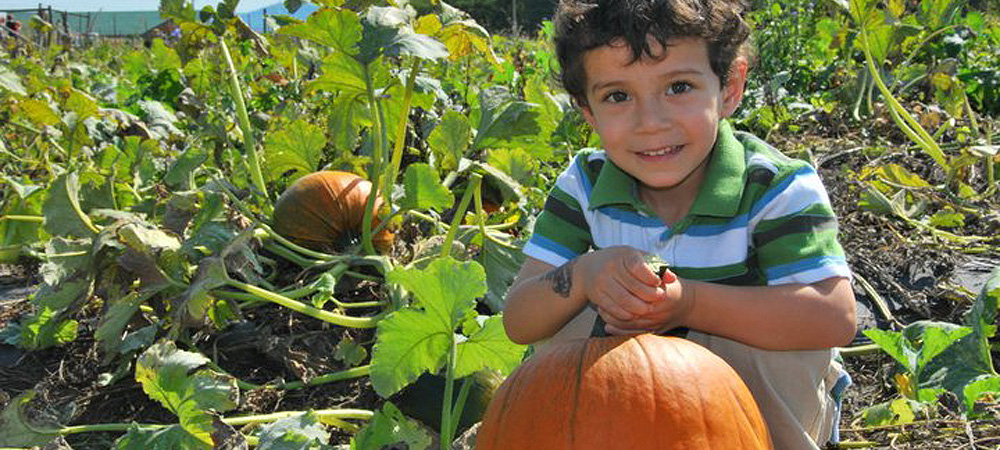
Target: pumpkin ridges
x,y
531,408
320,209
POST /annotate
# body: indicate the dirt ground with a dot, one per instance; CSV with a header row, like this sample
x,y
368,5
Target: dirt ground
x,y
917,278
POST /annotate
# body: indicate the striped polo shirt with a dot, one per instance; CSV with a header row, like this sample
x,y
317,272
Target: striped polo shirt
x,y
760,218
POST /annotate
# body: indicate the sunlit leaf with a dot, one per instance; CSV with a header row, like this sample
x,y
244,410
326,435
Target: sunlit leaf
x,y
415,340
488,348
450,140
296,148
389,428
337,29
300,432
180,382
39,112
9,81
423,189
341,73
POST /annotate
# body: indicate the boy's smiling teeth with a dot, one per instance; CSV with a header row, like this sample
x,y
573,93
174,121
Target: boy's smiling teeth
x,y
662,151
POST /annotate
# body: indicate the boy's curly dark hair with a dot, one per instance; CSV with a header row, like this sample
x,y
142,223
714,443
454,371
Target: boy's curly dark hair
x,y
582,25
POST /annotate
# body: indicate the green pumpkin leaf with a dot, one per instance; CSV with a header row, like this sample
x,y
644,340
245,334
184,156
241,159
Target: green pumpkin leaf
x,y
179,10
178,380
988,384
503,120
893,343
15,431
341,73
947,218
297,148
111,332
39,112
450,140
337,29
180,176
388,428
44,329
894,412
299,432
169,438
63,216
417,339
516,163
502,261
488,348
9,81
386,33
423,189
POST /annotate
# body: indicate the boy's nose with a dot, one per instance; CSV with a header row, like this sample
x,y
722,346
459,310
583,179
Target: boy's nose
x,y
652,115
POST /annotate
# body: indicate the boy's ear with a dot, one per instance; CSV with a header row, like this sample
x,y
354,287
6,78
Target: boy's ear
x,y
732,92
588,115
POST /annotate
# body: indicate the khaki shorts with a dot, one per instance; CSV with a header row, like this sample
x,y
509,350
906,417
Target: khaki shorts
x,y
792,388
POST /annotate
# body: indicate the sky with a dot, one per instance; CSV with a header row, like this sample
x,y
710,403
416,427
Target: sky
x,y
122,5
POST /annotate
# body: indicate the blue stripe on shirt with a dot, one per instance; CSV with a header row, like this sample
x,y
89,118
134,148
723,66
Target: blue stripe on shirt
x,y
803,265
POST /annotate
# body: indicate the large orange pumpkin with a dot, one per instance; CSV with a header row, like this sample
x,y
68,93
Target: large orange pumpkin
x,y
324,211
624,392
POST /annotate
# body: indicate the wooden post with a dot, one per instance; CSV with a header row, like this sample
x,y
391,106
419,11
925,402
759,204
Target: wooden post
x,y
67,38
265,20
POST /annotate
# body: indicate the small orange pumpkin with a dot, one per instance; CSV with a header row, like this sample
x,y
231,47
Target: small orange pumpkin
x,y
627,392
324,211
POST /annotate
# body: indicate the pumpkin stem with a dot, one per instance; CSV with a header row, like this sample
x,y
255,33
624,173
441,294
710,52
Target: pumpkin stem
x,y
456,221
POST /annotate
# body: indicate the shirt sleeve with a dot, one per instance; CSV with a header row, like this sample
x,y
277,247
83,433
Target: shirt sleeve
x,y
795,231
561,231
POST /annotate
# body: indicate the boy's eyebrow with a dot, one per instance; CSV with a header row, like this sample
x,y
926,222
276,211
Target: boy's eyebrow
x,y
669,74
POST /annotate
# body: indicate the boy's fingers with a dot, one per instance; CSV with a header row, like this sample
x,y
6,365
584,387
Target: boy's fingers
x,y
635,265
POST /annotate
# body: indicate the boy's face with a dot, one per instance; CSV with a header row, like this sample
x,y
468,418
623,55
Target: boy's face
x,y
658,118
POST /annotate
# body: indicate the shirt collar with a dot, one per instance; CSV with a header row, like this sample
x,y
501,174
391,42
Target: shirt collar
x,y
719,194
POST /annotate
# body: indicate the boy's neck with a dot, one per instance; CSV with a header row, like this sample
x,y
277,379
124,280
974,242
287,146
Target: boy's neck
x,y
671,204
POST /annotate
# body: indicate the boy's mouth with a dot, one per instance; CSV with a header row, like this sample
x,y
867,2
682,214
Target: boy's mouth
x,y
662,151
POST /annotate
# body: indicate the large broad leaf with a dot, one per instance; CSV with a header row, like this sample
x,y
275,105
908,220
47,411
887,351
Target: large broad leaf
x,y
389,428
417,339
45,329
514,162
297,148
502,120
181,174
111,332
39,112
14,428
180,382
300,432
488,348
63,215
170,438
179,10
450,140
341,73
386,33
423,189
337,29
502,260
347,115
462,36
9,81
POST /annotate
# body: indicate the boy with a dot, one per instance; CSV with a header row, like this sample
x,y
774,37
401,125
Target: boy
x,y
757,275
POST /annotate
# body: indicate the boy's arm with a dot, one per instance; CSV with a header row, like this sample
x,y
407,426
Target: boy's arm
x,y
543,298
780,317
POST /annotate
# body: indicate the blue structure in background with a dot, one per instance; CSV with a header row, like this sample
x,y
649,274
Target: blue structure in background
x,y
256,18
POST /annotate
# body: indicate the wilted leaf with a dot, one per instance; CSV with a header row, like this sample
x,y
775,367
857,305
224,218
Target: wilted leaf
x,y
14,429
170,438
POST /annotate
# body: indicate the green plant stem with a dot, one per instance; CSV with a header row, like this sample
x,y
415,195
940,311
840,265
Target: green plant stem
x,y
447,428
903,120
354,372
269,233
456,414
297,306
291,256
859,350
460,213
325,415
23,218
256,175
480,217
400,144
375,175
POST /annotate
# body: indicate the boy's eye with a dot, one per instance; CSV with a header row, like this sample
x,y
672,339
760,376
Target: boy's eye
x,y
616,97
679,87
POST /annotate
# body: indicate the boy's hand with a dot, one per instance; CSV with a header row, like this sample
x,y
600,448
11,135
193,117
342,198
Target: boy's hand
x,y
669,312
621,285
